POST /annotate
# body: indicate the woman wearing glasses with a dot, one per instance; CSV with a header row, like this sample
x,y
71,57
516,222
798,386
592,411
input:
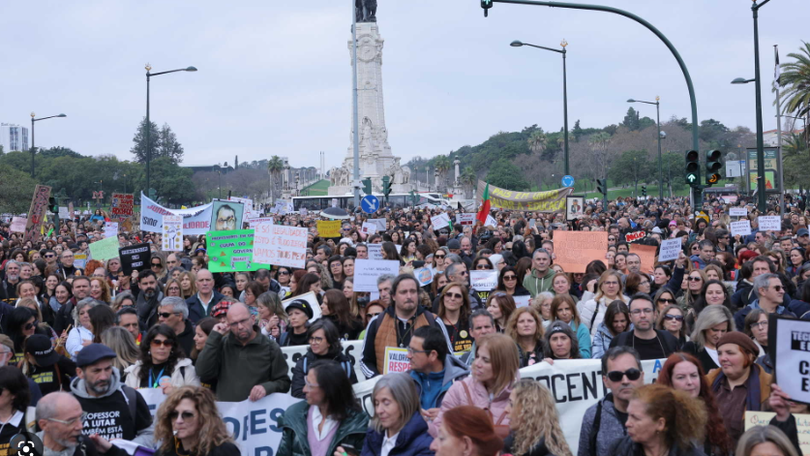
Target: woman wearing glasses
x,y
712,324
693,282
671,319
454,311
508,283
756,327
158,265
663,298
162,364
592,311
438,259
189,423
324,345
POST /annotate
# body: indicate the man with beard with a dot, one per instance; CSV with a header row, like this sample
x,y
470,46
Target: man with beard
x,y
59,415
148,299
113,410
395,326
605,421
650,343
246,364
8,287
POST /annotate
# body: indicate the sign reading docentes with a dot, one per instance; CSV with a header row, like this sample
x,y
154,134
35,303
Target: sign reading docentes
x,y
791,356
134,258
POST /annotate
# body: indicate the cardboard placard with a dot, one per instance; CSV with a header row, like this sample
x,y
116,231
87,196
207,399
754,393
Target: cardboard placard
x,y
484,280
232,251
743,228
329,228
738,211
122,205
379,222
367,271
647,255
670,250
111,229
104,249
280,245
396,360
134,258
522,301
575,249
36,213
172,233
440,221
790,352
311,299
769,223
802,426
255,221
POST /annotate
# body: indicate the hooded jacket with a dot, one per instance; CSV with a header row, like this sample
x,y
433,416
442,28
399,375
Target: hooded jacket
x,y
457,396
601,341
293,424
592,313
610,428
536,283
182,375
454,370
110,415
412,440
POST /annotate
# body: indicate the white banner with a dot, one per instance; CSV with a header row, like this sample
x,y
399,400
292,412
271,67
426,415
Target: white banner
x,y
467,218
769,223
484,280
743,228
255,221
196,220
367,271
670,250
18,224
351,348
280,245
172,233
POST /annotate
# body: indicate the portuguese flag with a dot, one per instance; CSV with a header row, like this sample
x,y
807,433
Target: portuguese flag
x,y
484,212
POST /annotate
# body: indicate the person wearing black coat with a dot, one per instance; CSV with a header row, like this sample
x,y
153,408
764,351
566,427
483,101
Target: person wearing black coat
x,y
324,343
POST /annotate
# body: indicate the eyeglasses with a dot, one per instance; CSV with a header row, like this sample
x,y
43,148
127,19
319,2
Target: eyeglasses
x,y
163,343
509,277
482,266
694,279
671,317
464,273
316,340
667,301
610,283
310,385
412,351
777,287
632,374
611,239
759,324
30,326
281,273
50,256
640,311
156,265
166,314
185,415
70,421
454,295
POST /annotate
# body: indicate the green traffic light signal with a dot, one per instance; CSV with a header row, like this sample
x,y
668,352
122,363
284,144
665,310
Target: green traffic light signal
x,y
692,167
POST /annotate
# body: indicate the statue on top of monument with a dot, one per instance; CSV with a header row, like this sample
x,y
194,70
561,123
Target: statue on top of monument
x,y
365,10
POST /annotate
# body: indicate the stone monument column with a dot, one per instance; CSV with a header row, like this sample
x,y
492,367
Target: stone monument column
x,y
456,162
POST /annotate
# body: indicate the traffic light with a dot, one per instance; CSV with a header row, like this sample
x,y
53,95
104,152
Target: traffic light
x,y
692,168
601,186
386,187
367,186
414,198
486,5
643,190
52,205
713,165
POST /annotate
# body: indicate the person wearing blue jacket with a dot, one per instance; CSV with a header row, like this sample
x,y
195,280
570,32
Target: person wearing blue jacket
x,y
433,368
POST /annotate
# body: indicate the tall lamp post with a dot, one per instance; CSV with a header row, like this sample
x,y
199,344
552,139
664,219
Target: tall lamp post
x,y
33,148
562,51
660,161
149,75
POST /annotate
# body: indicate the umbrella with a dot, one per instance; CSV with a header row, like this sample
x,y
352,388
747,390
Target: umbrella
x,y
334,213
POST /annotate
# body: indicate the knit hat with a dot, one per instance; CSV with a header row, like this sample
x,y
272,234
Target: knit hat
x,y
558,326
736,337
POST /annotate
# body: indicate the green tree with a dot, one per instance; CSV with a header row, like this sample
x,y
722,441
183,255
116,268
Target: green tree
x,y
631,120
796,164
274,167
168,145
630,167
795,78
468,179
577,131
172,183
139,141
443,165
506,175
17,189
537,141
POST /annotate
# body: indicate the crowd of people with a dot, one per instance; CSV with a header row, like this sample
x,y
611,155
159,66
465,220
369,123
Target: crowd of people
x,y
80,337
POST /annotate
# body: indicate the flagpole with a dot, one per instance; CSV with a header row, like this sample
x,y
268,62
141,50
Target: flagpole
x,y
779,166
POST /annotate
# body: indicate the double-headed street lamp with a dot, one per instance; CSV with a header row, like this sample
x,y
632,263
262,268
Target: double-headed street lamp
x,y
562,51
658,121
33,148
148,124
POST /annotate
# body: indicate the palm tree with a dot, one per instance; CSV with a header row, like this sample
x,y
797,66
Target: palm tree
x,y
442,164
537,141
468,179
796,79
274,167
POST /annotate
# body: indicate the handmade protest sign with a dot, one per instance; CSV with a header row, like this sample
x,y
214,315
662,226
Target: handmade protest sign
x,y
647,255
122,205
737,211
280,245
36,213
368,228
255,221
247,205
172,233
802,426
379,222
440,221
329,228
575,249
791,355
743,228
769,223
522,301
111,229
232,251
134,258
104,249
424,275
367,271
80,260
491,221
375,252
311,299
353,349
484,280
670,250
465,218
18,224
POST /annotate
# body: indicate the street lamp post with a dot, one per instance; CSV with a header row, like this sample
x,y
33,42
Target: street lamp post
x,y
563,43
658,122
149,75
33,148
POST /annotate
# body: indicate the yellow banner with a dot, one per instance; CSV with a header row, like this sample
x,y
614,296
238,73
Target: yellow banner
x,y
329,229
500,198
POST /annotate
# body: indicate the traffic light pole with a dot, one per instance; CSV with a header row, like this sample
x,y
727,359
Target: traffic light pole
x,y
608,9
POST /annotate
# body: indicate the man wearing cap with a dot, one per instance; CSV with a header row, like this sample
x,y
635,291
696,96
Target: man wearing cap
x,y
113,410
246,364
803,236
45,366
221,310
173,312
59,415
6,354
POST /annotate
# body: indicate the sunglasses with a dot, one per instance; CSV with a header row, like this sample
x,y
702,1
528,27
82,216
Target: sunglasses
x,y
281,273
509,277
156,265
482,266
671,317
185,415
30,326
164,343
632,374
439,256
166,314
694,279
667,301
454,295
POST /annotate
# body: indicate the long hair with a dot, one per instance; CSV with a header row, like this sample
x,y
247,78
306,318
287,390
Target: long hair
x,y
464,311
18,318
146,351
101,318
710,317
504,357
511,325
504,302
403,389
659,323
192,278
605,275
105,289
211,429
762,434
331,336
715,429
123,344
615,308
207,325
13,380
685,417
534,417
337,389
476,424
338,307
700,302
303,286
566,298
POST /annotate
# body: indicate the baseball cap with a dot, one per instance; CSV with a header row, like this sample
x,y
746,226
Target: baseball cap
x,y
453,244
41,347
301,305
94,353
802,232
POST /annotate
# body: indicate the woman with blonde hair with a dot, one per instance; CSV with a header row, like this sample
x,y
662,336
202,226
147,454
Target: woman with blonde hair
x,y
188,284
188,422
534,422
525,327
123,344
592,311
99,290
173,288
712,324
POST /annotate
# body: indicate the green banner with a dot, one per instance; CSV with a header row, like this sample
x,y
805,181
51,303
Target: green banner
x,y
231,251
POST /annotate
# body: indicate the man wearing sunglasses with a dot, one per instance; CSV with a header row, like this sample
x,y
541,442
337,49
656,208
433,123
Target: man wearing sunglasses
x,y
173,311
605,422
771,294
650,343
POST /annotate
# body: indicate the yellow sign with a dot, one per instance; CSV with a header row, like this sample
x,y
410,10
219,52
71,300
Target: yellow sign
x,y
550,201
329,229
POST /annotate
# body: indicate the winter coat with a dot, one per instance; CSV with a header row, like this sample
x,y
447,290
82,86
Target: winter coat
x,y
739,317
583,338
299,372
457,396
183,374
293,425
537,284
412,440
601,341
592,315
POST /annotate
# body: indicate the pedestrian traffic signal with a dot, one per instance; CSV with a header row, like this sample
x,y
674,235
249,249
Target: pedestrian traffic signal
x,y
692,168
52,206
486,5
601,186
713,165
367,186
386,181
643,190
414,198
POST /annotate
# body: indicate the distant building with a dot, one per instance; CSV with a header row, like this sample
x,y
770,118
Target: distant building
x,y
13,137
770,138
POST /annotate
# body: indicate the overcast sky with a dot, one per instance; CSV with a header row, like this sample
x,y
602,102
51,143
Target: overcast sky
x,y
275,78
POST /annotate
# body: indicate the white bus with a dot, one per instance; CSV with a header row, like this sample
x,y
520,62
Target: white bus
x,y
317,203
